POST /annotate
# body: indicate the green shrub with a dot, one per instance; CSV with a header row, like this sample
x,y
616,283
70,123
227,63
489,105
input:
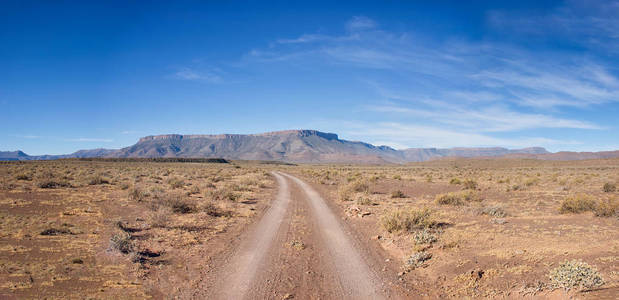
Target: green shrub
x,y
575,274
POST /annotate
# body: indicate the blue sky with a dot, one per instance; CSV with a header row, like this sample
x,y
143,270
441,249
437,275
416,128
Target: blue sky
x,y
81,75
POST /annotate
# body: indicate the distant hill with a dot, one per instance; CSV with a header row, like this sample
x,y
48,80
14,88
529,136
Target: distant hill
x,y
303,146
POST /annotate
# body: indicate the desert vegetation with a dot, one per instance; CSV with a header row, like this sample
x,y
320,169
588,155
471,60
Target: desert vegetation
x,y
121,229
488,227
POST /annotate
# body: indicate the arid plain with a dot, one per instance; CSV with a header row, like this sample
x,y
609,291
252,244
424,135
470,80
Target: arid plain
x,y
452,228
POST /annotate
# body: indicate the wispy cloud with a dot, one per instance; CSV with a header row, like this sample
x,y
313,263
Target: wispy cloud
x,y
401,135
360,23
196,75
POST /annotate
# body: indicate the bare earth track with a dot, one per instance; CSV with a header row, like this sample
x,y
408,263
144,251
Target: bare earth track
x,y
298,249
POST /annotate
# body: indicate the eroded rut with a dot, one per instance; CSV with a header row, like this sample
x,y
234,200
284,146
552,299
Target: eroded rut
x,y
298,249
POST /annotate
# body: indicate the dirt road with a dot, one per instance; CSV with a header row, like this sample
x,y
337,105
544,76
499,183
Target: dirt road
x,y
298,249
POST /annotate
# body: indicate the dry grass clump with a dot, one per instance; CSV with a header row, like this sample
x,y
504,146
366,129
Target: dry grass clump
x,y
161,217
23,176
455,180
53,183
496,211
417,259
176,183
98,179
180,205
213,210
582,203
609,187
221,194
56,231
425,236
469,184
137,194
577,204
575,274
347,191
607,208
408,220
122,242
397,194
460,198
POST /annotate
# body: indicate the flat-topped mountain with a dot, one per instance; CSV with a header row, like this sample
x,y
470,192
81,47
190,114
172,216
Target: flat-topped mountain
x,y
305,146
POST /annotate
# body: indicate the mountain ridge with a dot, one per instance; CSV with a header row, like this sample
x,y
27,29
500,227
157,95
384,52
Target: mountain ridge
x,y
300,146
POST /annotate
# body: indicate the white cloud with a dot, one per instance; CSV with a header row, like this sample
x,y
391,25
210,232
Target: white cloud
x,y
194,75
360,23
412,135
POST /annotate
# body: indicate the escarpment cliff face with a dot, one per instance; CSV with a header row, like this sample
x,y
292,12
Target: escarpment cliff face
x,y
304,146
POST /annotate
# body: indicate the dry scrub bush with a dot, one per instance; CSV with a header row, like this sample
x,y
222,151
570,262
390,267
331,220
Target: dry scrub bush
x,y
418,259
397,194
607,208
136,194
460,198
23,176
577,204
424,236
97,179
347,191
161,217
609,187
122,242
469,184
176,183
53,183
494,211
575,274
408,220
455,181
222,194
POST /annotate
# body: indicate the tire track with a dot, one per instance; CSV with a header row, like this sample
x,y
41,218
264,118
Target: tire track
x,y
355,277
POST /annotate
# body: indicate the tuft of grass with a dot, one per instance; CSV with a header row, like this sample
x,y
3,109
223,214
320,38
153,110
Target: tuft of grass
x,y
494,211
23,176
347,191
98,179
607,208
424,236
397,194
408,220
469,184
180,205
609,187
575,274
161,217
577,204
417,259
460,198
122,242
53,184
136,194
56,231
176,183
455,181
